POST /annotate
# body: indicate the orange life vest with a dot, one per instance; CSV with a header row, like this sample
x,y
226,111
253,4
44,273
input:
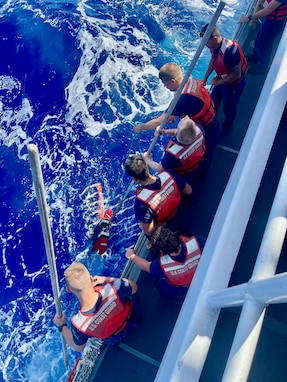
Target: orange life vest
x,y
109,319
207,112
181,274
163,202
189,155
279,13
218,61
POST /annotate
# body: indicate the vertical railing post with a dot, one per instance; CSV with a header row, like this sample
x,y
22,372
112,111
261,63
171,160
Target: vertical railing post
x,y
251,319
177,94
189,343
46,229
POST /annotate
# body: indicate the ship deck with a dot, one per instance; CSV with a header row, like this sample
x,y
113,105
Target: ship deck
x,y
138,357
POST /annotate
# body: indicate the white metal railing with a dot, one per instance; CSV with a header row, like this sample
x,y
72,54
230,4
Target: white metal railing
x,y
190,341
262,289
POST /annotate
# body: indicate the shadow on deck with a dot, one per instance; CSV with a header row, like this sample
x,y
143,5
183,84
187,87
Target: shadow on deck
x,y
139,356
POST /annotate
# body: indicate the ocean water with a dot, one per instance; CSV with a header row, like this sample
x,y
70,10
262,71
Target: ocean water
x,y
74,77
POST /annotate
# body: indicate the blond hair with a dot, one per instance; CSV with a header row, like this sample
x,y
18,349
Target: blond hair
x,y
187,133
77,277
170,71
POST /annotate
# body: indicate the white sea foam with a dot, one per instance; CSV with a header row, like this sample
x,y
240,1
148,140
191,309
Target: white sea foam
x,y
13,121
117,77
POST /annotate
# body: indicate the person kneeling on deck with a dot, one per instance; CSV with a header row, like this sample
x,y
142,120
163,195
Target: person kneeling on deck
x,y
177,263
157,197
107,307
184,151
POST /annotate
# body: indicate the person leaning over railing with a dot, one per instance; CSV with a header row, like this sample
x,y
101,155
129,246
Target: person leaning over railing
x,y
183,153
108,308
274,14
195,102
178,258
158,197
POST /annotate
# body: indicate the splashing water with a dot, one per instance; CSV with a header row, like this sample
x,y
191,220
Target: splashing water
x,y
74,76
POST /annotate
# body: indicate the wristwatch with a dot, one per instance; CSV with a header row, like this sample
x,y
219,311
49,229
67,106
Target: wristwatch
x,y
60,328
249,17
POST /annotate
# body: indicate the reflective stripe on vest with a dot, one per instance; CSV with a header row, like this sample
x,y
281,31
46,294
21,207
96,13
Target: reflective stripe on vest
x,y
196,88
218,62
163,202
181,274
108,319
189,155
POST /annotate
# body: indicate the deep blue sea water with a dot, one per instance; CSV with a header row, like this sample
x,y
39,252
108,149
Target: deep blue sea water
x,y
74,76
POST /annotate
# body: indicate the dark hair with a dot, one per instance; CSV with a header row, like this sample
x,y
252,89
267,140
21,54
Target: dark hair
x,y
164,240
215,32
136,167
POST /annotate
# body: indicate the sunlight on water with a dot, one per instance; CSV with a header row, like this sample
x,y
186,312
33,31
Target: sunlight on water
x,y
74,78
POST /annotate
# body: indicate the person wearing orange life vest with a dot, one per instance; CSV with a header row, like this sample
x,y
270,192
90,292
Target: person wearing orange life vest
x,y
107,307
184,151
274,14
157,197
230,65
195,102
177,262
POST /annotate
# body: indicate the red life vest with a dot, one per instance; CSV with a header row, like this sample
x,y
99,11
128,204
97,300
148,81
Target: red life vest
x,y
207,112
181,274
102,233
218,62
278,14
109,319
163,202
189,155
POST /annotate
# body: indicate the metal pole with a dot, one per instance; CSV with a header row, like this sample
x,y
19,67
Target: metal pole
x,y
123,199
177,94
265,291
46,229
266,288
196,322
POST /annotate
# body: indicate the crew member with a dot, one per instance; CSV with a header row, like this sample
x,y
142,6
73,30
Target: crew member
x,y
107,307
274,14
184,151
177,263
157,196
195,102
230,65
